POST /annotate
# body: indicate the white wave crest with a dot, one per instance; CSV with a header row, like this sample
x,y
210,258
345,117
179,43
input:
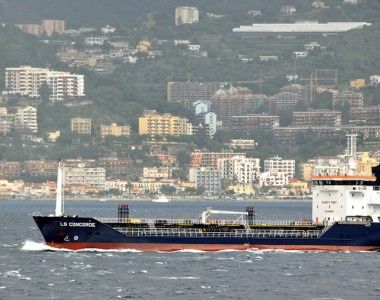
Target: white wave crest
x,y
29,245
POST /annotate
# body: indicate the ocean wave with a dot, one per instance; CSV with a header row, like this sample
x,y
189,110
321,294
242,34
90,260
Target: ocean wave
x,y
29,245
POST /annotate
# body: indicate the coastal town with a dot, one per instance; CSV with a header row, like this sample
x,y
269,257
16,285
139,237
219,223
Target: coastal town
x,y
238,138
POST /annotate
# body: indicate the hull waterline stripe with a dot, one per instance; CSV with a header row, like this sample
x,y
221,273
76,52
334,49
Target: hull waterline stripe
x,y
206,247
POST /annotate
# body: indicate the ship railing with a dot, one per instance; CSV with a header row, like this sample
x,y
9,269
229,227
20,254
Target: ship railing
x,y
210,221
255,233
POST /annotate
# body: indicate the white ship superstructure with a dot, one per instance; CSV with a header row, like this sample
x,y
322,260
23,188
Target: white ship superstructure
x,y
336,198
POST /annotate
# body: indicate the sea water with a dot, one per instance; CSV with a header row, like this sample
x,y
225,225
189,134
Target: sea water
x,y
31,270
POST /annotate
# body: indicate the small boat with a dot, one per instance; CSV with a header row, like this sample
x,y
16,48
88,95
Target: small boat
x,y
161,199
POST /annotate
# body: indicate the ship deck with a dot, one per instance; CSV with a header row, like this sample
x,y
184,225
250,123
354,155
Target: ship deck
x,y
215,228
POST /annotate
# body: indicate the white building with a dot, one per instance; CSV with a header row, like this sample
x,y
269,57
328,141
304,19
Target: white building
x,y
80,175
300,54
194,47
374,80
181,42
288,10
268,58
64,84
243,144
206,178
157,173
354,2
318,4
300,28
277,164
27,81
273,178
239,169
254,13
25,119
312,46
328,165
186,15
95,40
108,29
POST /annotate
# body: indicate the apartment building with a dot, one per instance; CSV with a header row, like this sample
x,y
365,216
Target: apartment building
x,y
6,121
189,92
186,15
287,135
27,81
322,117
41,167
239,169
81,125
353,99
115,130
157,172
153,123
206,178
273,179
47,27
80,175
34,29
25,119
116,166
235,102
369,115
53,26
242,144
209,159
253,122
277,164
10,169
283,101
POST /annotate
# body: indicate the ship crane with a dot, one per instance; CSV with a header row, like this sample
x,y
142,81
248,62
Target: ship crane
x,y
209,211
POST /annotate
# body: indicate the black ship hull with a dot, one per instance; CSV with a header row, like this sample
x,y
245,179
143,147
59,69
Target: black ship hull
x,y
76,233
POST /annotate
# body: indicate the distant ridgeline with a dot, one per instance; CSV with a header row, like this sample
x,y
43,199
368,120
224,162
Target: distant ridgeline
x,y
100,12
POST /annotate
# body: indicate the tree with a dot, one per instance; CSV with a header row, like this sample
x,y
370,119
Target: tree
x,y
286,118
323,100
167,189
45,92
183,158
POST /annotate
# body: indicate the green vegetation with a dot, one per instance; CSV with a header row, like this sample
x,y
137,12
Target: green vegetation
x,y
123,95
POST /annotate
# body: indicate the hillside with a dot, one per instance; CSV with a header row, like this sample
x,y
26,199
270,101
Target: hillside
x,y
17,48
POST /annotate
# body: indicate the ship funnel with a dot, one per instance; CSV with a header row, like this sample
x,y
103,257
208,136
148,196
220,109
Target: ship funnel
x,y
376,172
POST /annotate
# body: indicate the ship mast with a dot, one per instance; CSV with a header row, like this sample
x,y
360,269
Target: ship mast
x,y
59,204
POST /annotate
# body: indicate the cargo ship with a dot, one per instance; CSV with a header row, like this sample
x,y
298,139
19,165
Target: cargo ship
x,y
345,216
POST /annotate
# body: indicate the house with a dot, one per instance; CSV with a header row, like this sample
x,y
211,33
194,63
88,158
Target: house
x,y
181,42
108,29
300,54
254,13
268,58
194,47
374,80
357,83
288,10
318,4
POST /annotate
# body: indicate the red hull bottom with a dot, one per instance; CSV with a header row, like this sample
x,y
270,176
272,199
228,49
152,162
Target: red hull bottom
x,y
206,247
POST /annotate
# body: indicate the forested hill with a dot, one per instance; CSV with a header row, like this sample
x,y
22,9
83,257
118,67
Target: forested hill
x,y
130,12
